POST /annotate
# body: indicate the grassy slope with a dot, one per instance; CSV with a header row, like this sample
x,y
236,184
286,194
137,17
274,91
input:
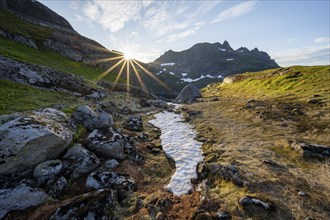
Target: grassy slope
x,y
297,82
18,97
246,137
13,24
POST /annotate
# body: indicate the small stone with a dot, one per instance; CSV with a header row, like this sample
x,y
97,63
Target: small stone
x,y
110,164
301,193
223,216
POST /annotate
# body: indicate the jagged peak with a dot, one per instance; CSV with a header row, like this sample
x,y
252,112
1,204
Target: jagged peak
x,y
226,45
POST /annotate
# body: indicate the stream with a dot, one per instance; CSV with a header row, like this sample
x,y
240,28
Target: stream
x,y
178,141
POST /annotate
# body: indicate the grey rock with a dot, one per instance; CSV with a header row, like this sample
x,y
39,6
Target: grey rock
x,y
110,145
9,117
223,216
157,103
96,95
44,132
311,150
79,161
90,119
101,180
134,123
110,164
20,198
188,93
58,186
301,193
250,200
227,172
47,170
94,205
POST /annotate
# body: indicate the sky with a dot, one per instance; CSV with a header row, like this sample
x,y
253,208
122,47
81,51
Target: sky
x,y
291,32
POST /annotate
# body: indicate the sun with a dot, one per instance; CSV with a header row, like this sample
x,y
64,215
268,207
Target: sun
x,y
128,54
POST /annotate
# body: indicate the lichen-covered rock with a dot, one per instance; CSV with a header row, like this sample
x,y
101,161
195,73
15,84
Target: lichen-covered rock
x,y
247,201
58,186
109,145
79,161
227,172
101,180
20,198
311,150
188,93
27,141
92,120
134,123
47,170
110,164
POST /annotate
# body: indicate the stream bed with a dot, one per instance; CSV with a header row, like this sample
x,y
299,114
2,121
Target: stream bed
x,y
178,141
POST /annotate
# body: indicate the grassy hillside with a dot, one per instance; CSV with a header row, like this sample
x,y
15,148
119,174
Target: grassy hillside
x,y
297,82
18,97
13,24
251,123
49,58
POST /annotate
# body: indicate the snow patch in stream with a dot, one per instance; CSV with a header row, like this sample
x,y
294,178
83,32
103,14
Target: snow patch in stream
x,y
178,141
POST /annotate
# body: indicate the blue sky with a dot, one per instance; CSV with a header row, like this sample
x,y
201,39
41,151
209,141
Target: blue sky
x,y
292,32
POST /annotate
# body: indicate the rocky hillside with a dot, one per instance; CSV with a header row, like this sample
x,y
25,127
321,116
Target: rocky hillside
x,y
204,63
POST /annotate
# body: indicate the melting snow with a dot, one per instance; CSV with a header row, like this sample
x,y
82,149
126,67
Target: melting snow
x,y
159,73
184,74
178,141
202,77
230,59
172,73
167,64
222,49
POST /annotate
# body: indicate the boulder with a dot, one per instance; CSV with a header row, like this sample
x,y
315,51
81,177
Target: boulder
x,y
110,164
189,92
20,198
27,141
92,120
78,161
311,150
47,170
111,180
134,123
58,186
110,145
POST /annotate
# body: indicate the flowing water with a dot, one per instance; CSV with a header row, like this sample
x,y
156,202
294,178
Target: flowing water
x,y
178,141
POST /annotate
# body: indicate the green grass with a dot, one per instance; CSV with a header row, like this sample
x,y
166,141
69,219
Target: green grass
x,y
49,58
16,97
13,24
298,82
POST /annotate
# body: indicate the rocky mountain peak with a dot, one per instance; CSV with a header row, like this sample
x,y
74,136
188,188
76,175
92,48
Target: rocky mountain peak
x,y
35,12
226,45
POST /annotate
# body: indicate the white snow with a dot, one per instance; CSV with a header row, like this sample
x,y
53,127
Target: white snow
x,y
178,141
202,77
222,49
159,73
172,73
164,69
184,74
167,64
230,59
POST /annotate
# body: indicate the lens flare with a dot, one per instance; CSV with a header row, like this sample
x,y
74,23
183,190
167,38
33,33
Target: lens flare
x,y
125,60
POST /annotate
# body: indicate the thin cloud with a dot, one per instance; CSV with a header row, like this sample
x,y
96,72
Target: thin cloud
x,y
75,5
235,11
322,40
303,56
182,35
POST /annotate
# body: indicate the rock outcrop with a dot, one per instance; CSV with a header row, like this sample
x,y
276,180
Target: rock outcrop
x,y
188,93
27,141
20,198
41,76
